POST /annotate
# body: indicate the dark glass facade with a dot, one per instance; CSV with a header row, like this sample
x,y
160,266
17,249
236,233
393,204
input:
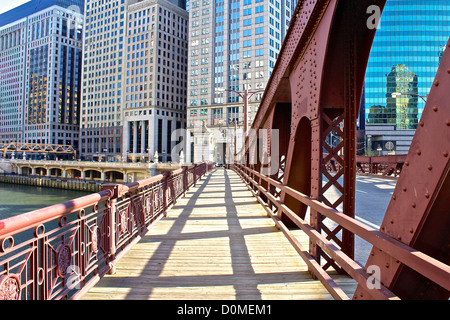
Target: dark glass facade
x,y
37,94
404,59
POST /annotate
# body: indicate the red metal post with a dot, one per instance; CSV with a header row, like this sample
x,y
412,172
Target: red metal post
x,y
417,214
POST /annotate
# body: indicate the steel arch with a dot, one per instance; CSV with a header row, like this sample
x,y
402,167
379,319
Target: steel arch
x,y
316,87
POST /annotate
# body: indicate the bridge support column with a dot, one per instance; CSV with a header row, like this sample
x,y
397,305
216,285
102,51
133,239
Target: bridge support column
x,y
103,176
143,137
135,133
33,171
83,175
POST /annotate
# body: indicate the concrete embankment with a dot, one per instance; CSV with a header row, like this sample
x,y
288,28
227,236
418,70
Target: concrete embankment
x,y
52,183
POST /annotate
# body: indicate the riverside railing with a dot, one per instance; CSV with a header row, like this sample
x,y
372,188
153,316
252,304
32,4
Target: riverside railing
x,y
61,251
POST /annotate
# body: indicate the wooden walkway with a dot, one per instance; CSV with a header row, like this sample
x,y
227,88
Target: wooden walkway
x,y
216,243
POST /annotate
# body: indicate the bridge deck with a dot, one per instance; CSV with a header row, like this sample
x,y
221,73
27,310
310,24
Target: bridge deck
x,y
216,243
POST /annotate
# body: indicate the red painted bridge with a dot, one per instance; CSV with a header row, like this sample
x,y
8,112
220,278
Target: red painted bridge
x,y
151,239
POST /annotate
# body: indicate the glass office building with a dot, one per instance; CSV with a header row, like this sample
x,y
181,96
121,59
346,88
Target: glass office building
x,y
405,56
233,47
40,72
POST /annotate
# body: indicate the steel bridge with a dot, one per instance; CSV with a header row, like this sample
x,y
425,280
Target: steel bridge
x,y
120,243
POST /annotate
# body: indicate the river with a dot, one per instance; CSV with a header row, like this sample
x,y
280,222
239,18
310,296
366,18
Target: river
x,y
16,199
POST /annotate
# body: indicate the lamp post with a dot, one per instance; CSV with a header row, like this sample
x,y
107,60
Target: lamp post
x,y
245,95
398,94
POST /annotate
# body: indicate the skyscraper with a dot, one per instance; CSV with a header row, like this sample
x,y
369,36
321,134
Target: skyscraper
x,y
404,59
40,65
233,46
155,78
102,78
134,78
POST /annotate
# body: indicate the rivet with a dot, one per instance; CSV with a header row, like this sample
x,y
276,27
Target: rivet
x,y
435,109
421,123
445,154
436,83
404,189
407,163
387,265
427,195
413,204
394,197
399,237
419,152
411,230
430,167
447,123
392,221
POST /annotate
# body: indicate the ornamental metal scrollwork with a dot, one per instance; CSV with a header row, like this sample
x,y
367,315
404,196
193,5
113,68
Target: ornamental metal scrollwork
x,y
63,259
96,237
123,220
139,210
147,205
10,287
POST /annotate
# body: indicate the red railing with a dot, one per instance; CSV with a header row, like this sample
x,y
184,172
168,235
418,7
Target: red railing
x,y
264,189
62,251
390,165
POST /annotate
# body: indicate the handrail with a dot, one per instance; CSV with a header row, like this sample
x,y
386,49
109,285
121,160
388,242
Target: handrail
x,y
429,267
61,251
32,219
390,165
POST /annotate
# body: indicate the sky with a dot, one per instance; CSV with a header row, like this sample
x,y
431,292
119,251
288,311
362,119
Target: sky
x,y
6,5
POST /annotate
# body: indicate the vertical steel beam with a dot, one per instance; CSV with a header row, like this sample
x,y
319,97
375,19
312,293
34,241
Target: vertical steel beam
x,y
417,214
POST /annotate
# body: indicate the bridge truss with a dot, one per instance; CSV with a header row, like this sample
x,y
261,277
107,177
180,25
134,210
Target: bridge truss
x,y
315,89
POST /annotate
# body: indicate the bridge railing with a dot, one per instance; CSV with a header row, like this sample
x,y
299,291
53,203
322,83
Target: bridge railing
x,y
263,187
61,251
390,165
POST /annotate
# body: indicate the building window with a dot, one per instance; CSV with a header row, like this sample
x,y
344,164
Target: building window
x,y
233,115
216,116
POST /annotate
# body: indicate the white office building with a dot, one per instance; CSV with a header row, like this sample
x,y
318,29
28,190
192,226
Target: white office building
x,y
134,79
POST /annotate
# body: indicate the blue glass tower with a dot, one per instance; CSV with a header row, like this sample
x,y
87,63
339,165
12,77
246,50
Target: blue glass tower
x,y
403,62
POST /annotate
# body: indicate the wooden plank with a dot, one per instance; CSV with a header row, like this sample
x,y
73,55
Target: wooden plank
x,y
214,246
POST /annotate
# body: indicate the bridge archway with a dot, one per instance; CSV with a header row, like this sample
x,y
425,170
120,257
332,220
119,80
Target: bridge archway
x,y
55,172
26,171
298,168
92,174
73,173
41,171
281,121
114,176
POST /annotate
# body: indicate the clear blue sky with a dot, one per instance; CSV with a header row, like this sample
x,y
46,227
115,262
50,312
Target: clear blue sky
x,y
6,5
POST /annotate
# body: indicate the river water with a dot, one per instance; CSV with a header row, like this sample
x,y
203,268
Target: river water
x,y
17,199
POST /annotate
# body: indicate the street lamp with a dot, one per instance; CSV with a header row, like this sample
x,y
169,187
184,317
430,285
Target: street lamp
x,y
245,95
398,94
